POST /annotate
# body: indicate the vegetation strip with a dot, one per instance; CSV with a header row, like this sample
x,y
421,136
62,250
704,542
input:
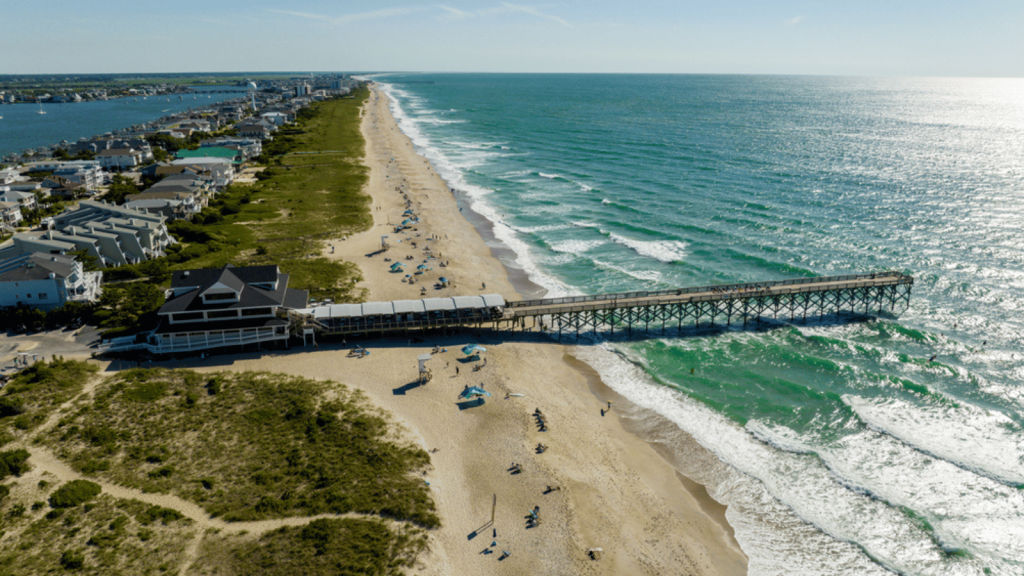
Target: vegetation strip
x,y
309,444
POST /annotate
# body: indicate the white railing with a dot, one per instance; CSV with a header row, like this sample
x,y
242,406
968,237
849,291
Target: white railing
x,y
189,343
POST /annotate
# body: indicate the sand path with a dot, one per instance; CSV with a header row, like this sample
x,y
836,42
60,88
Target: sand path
x,y
46,465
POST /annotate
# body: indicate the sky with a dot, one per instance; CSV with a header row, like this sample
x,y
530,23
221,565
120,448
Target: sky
x,y
980,38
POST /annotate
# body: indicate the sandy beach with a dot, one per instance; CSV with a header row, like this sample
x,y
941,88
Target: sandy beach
x,y
611,490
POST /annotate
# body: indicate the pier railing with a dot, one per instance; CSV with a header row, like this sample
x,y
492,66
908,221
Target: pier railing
x,y
742,287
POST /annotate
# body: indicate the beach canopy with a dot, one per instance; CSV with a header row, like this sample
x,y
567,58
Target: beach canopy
x,y
422,267
406,222
397,265
474,391
442,280
470,349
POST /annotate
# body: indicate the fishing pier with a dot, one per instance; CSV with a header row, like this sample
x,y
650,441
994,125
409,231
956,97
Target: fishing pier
x,y
724,304
855,294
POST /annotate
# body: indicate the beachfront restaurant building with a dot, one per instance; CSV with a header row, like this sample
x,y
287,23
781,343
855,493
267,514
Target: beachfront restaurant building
x,y
229,306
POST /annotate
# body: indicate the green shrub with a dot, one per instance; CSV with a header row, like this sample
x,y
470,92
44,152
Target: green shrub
x,y
149,391
10,407
4,492
13,462
74,493
72,560
154,513
329,546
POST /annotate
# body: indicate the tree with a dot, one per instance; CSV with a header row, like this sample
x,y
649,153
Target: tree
x,y
120,187
89,262
130,305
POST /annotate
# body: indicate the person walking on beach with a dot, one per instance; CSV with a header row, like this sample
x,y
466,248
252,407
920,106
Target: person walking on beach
x,y
456,370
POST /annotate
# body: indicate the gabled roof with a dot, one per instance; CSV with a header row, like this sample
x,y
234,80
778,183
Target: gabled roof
x,y
207,276
118,152
243,279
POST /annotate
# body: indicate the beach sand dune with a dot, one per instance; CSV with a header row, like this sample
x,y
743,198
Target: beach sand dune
x,y
613,490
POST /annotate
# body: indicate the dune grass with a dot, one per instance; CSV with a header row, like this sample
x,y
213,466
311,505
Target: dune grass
x,y
303,198
321,548
105,536
248,446
30,397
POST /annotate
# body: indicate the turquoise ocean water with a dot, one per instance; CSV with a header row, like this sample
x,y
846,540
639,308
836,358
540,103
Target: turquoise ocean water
x,y
840,448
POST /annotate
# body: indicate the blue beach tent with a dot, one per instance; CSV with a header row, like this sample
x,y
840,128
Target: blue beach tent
x,y
474,391
471,349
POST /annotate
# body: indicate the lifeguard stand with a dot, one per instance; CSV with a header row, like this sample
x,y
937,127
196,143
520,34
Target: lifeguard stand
x,y
425,374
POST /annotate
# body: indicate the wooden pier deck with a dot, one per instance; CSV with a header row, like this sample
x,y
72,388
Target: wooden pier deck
x,y
884,292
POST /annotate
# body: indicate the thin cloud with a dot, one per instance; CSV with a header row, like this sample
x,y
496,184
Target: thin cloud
x,y
507,8
794,20
454,13
357,17
447,13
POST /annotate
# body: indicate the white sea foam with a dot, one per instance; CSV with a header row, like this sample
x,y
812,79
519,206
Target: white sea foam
x,y
644,275
984,441
978,513
776,540
663,250
549,176
535,229
576,246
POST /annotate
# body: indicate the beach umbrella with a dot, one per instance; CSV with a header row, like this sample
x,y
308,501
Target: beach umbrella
x,y
406,222
442,280
471,349
397,266
422,267
474,391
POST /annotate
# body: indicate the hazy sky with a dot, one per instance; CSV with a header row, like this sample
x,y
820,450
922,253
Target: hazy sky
x,y
857,37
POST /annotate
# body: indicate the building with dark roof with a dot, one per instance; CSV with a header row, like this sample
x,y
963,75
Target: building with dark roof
x,y
229,306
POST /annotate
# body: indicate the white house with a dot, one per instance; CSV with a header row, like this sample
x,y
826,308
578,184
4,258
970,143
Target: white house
x,y
119,158
10,215
278,118
26,200
46,281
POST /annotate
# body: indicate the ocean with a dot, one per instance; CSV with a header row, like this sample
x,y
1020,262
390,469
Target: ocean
x,y
22,127
839,448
